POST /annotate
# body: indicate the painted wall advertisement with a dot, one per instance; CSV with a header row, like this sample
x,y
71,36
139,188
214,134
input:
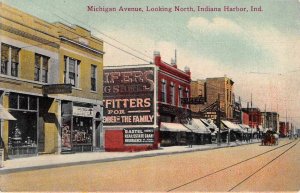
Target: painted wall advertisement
x,y
138,135
128,96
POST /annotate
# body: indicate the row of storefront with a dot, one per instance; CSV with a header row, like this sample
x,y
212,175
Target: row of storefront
x,y
32,125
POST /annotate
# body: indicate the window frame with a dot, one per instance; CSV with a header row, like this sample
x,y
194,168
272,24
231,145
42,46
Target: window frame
x,y
76,72
93,77
9,63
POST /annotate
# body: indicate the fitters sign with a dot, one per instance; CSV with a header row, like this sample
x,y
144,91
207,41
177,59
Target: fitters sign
x,y
128,96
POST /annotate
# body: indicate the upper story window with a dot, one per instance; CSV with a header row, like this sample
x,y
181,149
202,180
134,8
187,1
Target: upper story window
x,y
9,60
41,68
179,96
93,77
187,95
172,93
72,71
163,91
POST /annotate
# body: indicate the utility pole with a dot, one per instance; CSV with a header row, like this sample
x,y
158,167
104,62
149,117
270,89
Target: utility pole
x,y
251,119
219,119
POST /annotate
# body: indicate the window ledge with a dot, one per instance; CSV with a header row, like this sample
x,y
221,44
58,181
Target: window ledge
x,y
93,91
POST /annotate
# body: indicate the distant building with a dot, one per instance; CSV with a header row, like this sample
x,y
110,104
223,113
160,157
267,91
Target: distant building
x,y
211,89
283,128
237,110
254,116
270,120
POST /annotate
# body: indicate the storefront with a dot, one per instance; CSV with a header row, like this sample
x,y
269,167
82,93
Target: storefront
x,y
23,132
80,128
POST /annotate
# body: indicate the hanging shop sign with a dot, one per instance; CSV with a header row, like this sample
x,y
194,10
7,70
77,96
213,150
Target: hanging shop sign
x,y
128,96
138,135
57,89
193,100
83,111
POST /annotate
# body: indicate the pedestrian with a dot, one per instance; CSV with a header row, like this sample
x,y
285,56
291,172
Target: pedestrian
x,y
190,139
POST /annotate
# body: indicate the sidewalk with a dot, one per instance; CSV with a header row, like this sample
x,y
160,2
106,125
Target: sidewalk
x,y
62,160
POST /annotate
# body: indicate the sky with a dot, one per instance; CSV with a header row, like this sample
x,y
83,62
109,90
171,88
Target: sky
x,y
260,50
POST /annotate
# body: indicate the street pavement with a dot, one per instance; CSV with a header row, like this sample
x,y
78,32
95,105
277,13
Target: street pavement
x,y
245,168
62,160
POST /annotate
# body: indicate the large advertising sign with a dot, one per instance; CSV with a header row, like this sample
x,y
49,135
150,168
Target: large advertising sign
x,y
138,135
128,96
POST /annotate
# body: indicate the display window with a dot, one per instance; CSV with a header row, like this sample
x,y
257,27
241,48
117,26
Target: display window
x,y
82,130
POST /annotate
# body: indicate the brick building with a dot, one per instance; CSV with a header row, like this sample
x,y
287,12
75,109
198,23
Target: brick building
x,y
211,88
254,116
173,84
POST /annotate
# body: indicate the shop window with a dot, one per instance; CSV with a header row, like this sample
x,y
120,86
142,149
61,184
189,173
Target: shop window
x,y
9,60
41,68
22,134
71,71
83,130
32,103
13,101
93,77
23,102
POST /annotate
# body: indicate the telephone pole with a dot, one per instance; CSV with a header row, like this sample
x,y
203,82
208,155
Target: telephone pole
x,y
219,119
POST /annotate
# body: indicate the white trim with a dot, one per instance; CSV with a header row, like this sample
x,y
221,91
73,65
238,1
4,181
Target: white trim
x,y
82,45
80,54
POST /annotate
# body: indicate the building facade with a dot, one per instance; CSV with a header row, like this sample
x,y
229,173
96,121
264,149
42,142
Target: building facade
x,y
255,118
130,108
270,120
51,82
173,85
212,89
284,129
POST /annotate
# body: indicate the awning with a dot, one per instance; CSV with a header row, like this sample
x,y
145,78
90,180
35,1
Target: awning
x,y
5,115
260,128
245,128
173,127
209,123
232,126
198,126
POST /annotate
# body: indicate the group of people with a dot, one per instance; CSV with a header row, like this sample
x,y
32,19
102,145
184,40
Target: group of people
x,y
270,138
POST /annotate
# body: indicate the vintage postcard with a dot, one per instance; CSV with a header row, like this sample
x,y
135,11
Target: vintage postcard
x,y
149,96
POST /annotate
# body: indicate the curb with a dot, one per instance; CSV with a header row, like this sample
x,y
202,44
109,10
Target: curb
x,y
58,165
